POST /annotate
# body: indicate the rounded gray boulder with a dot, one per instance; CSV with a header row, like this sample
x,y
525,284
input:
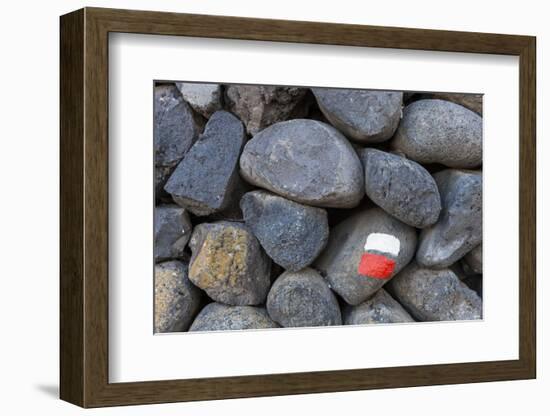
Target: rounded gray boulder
x,y
401,187
379,309
176,299
362,115
435,295
175,127
303,298
306,161
220,317
292,234
207,179
438,131
364,252
172,231
229,264
459,228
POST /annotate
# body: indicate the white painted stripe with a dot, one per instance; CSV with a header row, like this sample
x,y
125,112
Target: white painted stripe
x,y
385,243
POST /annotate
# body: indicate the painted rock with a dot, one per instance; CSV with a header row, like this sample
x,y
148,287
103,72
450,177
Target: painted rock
x,y
473,261
220,317
206,179
172,231
362,115
303,298
261,106
379,309
175,127
205,99
472,102
364,252
401,187
306,161
229,264
435,295
292,234
176,299
458,229
438,131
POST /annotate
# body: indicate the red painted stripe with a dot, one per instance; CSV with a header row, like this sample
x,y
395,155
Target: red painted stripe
x,y
376,266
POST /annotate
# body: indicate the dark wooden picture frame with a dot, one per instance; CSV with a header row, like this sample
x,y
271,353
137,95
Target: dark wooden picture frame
x,y
84,207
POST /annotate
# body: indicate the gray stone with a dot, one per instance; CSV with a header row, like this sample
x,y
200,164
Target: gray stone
x,y
379,309
340,261
292,234
362,115
204,98
303,298
207,178
306,161
161,176
435,295
172,232
176,299
401,187
473,102
260,106
458,229
438,131
473,261
220,317
229,264
175,126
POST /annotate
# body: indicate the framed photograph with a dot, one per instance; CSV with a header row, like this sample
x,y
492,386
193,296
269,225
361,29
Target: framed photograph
x,y
256,207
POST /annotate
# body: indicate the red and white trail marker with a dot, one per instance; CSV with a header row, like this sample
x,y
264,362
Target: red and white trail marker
x,y
378,260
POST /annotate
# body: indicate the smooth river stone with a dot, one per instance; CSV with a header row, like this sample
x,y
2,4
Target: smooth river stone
x,y
438,131
379,309
435,295
362,115
401,187
342,259
303,298
459,228
292,234
306,161
219,317
229,264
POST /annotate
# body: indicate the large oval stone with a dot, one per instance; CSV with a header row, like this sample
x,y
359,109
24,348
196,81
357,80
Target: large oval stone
x,y
229,264
438,131
219,317
362,115
306,161
364,252
459,228
401,187
303,298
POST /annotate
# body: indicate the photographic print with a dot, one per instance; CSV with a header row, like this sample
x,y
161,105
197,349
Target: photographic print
x,y
286,206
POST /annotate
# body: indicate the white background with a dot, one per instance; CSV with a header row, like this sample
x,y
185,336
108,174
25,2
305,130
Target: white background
x,y
29,225
297,350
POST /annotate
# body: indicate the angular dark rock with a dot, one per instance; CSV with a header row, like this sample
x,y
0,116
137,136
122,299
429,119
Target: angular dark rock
x,y
458,229
260,106
176,299
379,309
292,234
357,260
207,178
306,161
219,317
362,115
435,295
473,261
175,126
303,298
172,231
438,131
204,98
229,264
161,176
401,187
